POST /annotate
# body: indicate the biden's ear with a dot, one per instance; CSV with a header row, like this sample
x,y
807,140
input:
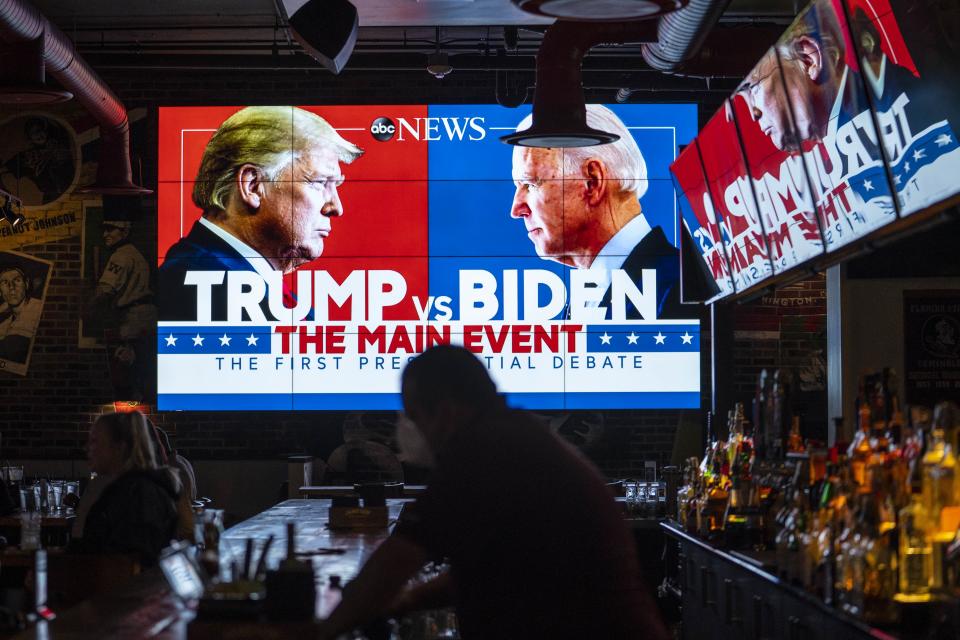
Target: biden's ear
x,y
595,173
250,185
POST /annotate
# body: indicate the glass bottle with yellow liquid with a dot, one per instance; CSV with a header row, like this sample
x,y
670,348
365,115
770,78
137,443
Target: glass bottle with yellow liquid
x,y
860,451
940,500
916,553
939,485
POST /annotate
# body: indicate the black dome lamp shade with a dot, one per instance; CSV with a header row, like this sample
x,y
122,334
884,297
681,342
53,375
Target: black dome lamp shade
x,y
23,75
559,111
600,10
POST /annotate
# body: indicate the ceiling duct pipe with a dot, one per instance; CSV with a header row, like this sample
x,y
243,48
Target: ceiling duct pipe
x,y
21,21
681,34
559,112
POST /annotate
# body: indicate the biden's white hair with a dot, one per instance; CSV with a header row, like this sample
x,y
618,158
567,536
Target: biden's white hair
x,y
622,158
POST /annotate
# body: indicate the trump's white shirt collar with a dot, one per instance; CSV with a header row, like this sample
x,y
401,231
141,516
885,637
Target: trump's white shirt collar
x,y
615,252
257,261
875,80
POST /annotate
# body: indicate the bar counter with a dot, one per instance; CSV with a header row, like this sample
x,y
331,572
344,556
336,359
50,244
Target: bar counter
x,y
145,607
735,594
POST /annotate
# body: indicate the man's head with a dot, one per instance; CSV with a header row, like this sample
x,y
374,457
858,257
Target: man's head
x,y
14,285
868,39
270,176
444,387
812,57
572,201
115,231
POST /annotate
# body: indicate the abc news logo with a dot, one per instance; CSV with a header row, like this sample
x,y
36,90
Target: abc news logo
x,y
430,129
383,128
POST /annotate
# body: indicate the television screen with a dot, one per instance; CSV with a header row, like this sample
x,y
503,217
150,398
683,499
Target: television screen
x,y
835,130
732,196
308,253
780,181
701,220
907,56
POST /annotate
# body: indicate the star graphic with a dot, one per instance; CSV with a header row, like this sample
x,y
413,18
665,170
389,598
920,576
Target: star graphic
x,y
605,338
660,337
632,338
252,340
896,179
171,340
867,185
943,140
197,341
225,340
906,166
687,338
919,153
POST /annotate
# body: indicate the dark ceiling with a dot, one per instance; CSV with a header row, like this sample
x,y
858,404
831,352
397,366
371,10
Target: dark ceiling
x,y
395,35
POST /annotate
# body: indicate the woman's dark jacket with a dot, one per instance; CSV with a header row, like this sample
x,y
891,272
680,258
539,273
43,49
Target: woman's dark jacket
x,y
136,513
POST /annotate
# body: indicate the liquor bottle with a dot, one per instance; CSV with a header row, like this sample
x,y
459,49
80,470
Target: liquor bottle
x,y
895,427
843,558
779,412
854,551
879,562
810,543
825,570
795,440
757,413
770,426
860,453
686,495
916,553
946,416
939,484
786,521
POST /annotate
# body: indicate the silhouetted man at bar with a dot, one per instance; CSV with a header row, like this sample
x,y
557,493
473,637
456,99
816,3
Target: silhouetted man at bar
x,y
536,544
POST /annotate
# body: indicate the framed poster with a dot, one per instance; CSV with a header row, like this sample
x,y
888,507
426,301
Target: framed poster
x,y
931,354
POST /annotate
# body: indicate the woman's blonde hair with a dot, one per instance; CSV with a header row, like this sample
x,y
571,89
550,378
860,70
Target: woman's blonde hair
x,y
131,431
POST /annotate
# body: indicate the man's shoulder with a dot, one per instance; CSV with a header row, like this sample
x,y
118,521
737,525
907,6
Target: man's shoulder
x,y
652,249
201,250
32,309
125,255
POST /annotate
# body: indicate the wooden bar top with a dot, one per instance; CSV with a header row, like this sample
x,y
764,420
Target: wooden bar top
x,y
145,607
334,551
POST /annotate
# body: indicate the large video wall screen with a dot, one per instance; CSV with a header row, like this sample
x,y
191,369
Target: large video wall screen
x,y
845,125
307,253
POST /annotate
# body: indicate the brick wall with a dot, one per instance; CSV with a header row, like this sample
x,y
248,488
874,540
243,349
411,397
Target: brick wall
x,y
786,330
46,414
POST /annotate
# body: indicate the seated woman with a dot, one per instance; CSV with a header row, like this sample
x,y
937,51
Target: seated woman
x,y
136,511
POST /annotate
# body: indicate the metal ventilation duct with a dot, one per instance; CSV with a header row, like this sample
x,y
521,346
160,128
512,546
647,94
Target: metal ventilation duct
x,y
681,34
20,21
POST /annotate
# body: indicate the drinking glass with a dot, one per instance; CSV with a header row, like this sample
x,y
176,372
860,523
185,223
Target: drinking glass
x,y
30,497
29,530
641,498
71,494
653,498
55,492
11,475
630,495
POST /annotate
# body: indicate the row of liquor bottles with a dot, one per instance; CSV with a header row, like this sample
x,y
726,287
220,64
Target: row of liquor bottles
x,y
863,526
